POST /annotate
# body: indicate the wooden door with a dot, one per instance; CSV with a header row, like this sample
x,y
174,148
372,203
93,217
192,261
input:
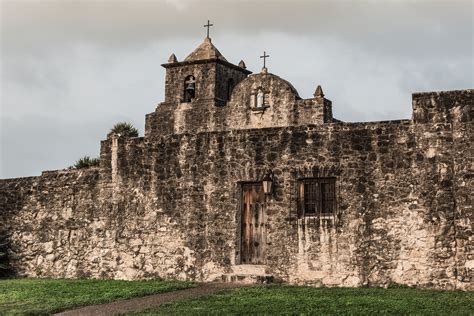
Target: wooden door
x,y
253,224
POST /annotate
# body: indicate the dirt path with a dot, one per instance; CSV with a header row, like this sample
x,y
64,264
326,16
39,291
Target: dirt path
x,y
140,303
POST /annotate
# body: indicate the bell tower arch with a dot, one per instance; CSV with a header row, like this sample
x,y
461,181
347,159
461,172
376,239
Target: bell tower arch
x,y
189,92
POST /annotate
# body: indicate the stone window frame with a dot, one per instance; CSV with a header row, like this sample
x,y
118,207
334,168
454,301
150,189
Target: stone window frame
x,y
314,204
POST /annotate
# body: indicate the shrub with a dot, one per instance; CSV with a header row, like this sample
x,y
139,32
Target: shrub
x,y
124,129
85,162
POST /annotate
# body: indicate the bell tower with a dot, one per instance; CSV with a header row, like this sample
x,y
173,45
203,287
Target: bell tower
x,y
203,76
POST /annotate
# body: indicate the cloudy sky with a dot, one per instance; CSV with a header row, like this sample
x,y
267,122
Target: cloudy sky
x,y
71,69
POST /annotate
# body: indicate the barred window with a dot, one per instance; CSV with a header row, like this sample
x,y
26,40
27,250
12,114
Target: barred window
x,y
316,196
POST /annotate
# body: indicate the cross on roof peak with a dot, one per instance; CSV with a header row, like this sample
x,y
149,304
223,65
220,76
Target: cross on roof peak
x,y
208,25
264,56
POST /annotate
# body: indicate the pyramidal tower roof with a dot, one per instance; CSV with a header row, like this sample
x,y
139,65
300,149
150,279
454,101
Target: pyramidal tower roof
x,y
205,51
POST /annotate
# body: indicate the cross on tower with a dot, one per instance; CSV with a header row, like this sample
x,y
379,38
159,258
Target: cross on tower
x,y
208,25
264,58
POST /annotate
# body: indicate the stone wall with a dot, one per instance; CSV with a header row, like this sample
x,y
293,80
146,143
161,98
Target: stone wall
x,y
283,106
452,153
168,205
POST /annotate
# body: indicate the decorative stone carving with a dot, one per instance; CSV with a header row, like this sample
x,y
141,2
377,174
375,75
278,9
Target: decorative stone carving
x,y
172,59
319,92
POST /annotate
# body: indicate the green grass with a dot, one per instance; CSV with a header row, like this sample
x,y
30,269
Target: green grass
x,y
294,300
45,296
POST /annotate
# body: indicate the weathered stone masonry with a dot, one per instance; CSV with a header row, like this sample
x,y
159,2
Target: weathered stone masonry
x,y
168,204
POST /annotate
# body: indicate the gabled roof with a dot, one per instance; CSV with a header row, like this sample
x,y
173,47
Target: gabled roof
x,y
205,51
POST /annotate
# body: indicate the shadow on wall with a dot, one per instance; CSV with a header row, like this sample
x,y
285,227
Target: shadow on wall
x,y
5,269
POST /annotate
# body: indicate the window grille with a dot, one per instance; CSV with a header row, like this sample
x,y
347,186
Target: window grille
x,y
316,196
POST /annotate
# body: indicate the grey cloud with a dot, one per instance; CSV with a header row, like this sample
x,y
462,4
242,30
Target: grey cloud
x,y
388,26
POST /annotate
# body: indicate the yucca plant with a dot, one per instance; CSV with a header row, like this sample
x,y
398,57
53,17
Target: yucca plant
x,y
125,129
85,162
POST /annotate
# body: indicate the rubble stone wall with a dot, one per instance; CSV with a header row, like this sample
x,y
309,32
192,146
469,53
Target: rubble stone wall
x,y
283,106
168,205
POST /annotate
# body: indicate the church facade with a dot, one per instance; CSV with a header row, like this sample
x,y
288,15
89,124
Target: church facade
x,y
238,178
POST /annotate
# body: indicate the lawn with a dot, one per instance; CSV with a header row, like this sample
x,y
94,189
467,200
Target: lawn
x,y
281,299
45,296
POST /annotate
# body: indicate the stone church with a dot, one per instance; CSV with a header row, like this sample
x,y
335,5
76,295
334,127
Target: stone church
x,y
238,178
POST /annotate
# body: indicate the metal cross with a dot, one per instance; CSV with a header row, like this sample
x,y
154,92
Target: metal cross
x,y
208,25
264,58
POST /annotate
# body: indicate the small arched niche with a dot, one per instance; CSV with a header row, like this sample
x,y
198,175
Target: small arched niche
x,y
259,98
